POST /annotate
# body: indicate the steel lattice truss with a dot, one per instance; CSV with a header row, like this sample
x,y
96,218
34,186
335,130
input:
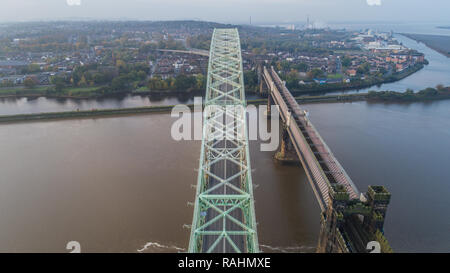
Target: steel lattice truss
x,y
224,214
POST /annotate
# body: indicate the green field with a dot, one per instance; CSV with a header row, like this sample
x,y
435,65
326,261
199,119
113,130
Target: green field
x,y
48,90
142,89
334,76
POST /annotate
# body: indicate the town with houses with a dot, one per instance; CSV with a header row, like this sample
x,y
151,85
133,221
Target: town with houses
x,y
148,57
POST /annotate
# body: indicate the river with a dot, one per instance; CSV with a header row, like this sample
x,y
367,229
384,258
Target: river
x,y
11,106
118,184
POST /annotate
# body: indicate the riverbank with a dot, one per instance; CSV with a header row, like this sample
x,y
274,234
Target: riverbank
x,y
382,96
438,93
356,85
440,43
85,114
49,92
87,93
154,109
427,94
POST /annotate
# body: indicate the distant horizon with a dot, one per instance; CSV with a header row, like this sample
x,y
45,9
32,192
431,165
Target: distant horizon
x,y
256,23
228,11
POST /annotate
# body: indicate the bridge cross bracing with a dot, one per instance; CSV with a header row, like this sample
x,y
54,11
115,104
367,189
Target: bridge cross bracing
x,y
224,215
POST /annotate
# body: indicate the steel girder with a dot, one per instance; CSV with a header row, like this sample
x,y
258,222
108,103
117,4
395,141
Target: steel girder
x,y
224,213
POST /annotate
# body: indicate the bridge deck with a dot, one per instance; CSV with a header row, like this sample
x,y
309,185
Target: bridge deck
x,y
319,162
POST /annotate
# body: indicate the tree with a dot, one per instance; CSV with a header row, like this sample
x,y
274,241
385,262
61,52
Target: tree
x,y
120,64
365,67
183,82
201,82
120,83
285,65
292,79
6,83
58,82
31,68
141,75
315,73
302,67
360,71
155,83
82,82
346,61
29,83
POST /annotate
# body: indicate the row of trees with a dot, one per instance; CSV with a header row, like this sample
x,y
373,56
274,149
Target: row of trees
x,y
292,78
260,45
92,75
179,83
29,82
428,93
201,41
168,43
122,77
196,82
284,65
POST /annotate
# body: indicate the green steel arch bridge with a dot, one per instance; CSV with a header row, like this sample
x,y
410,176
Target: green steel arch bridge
x,y
224,213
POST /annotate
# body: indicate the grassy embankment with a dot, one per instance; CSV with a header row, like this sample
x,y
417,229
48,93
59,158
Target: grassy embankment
x,y
84,114
152,109
427,94
48,91
83,92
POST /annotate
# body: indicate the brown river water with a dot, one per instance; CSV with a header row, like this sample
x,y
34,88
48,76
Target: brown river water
x,y
122,184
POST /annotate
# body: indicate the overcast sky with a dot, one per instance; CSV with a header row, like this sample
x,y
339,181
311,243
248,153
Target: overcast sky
x,y
229,11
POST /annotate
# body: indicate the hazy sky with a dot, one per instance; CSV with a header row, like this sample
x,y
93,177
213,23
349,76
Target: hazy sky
x,y
229,11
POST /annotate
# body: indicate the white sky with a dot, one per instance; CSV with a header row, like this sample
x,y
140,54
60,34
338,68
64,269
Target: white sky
x,y
229,11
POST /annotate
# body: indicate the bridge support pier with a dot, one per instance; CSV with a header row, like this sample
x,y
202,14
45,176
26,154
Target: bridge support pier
x,y
286,153
263,88
348,225
269,107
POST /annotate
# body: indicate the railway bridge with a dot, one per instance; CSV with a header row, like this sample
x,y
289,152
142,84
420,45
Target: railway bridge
x,y
349,219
